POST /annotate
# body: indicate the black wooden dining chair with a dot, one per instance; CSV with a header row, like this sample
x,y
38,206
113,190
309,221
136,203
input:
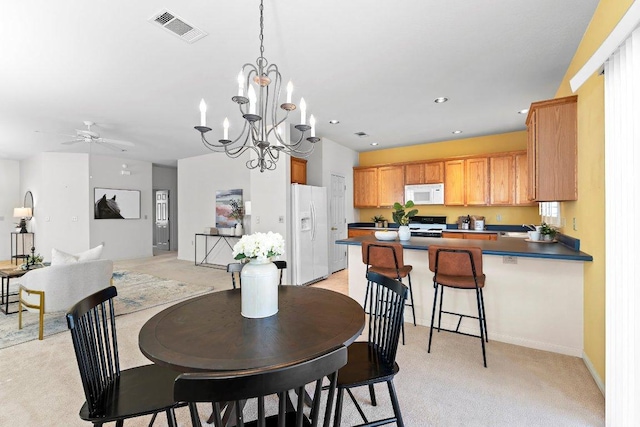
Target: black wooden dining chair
x,y
235,268
373,361
113,394
238,387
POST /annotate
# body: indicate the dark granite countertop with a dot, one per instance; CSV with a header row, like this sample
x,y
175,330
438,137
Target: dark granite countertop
x,y
501,247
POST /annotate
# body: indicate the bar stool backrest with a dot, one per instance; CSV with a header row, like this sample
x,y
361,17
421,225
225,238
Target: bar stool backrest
x,y
235,268
455,261
383,254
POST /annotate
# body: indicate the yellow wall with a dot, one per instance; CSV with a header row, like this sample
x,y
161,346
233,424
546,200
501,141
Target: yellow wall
x,y
512,141
589,209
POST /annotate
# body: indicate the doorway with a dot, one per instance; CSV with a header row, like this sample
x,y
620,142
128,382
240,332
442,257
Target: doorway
x,y
161,230
337,224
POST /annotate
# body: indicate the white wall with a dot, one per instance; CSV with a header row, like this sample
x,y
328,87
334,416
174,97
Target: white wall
x,y
58,182
198,180
10,197
166,178
123,238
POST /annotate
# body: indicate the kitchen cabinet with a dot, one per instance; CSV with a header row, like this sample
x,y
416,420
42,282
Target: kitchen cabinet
x,y
470,236
476,181
466,182
454,183
356,232
298,170
552,150
378,186
365,187
390,185
501,180
424,173
508,180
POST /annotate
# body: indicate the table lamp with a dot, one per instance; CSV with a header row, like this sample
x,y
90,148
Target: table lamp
x,y
23,214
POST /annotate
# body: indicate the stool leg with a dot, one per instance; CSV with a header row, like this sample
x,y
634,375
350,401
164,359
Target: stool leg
x,y
413,309
440,311
484,318
480,323
433,315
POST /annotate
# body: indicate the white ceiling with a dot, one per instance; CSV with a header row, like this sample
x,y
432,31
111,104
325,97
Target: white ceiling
x,y
376,66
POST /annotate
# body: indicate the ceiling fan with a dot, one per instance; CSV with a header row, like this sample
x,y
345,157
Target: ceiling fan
x,y
90,136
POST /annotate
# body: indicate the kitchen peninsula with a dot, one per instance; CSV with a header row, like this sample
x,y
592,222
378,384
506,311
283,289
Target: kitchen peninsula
x,y
533,295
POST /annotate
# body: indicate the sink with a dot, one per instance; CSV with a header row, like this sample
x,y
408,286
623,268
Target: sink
x,y
515,234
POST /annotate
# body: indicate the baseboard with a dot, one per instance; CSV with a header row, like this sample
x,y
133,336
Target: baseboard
x,y
538,345
593,372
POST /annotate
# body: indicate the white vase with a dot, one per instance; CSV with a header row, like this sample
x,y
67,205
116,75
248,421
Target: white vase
x,y
238,231
259,289
404,233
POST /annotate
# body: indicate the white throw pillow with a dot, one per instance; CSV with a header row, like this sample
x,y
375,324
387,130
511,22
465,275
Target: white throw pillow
x,y
91,254
62,258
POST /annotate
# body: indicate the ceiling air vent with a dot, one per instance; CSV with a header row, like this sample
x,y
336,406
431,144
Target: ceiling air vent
x,y
176,26
361,134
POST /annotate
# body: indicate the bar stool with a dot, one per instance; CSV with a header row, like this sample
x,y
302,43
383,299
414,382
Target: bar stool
x,y
387,259
461,268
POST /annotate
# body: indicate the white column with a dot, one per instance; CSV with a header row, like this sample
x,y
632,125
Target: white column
x,y
622,199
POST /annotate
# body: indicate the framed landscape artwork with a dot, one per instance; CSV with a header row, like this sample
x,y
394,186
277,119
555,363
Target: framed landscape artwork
x,y
116,204
224,219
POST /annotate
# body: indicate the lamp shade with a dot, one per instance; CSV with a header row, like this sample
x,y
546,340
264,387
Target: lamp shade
x,y
21,212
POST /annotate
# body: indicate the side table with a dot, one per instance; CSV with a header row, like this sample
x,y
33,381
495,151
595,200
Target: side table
x,y
6,275
21,244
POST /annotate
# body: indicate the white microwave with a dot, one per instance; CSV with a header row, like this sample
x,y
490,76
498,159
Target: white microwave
x,y
424,194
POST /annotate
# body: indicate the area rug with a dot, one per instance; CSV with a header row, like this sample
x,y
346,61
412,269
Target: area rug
x,y
136,291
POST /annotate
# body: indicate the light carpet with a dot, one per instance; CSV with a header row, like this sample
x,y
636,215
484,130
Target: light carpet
x,y
136,291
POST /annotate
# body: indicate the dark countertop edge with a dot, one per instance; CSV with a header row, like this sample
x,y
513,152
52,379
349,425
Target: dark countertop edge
x,y
579,256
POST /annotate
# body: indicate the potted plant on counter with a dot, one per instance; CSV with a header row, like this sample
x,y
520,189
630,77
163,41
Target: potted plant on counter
x,y
401,215
378,221
547,231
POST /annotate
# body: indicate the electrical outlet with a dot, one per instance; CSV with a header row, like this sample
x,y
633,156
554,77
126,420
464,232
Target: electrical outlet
x,y
281,219
575,225
47,218
498,217
509,260
257,220
74,218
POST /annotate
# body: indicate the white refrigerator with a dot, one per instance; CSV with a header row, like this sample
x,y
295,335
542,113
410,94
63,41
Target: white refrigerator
x,y
310,234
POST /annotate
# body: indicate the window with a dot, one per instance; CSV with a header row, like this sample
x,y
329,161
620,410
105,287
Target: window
x,y
550,213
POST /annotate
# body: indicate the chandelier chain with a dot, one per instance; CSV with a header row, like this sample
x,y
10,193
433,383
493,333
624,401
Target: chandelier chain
x,y
261,30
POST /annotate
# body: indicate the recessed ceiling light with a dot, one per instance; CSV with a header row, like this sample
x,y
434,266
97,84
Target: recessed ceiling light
x,y
334,122
440,100
374,143
525,111
456,132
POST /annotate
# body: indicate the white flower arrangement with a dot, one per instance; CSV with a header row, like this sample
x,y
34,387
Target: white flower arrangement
x,y
261,246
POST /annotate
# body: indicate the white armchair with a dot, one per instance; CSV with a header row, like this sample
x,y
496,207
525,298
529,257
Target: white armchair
x,y
62,285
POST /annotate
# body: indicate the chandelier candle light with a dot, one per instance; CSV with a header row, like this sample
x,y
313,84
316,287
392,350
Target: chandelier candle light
x,y
260,114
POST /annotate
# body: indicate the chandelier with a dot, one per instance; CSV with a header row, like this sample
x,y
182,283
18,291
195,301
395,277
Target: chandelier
x,y
259,109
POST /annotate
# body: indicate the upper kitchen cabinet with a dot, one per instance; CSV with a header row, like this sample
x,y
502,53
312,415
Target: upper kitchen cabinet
x,y
502,178
424,173
466,182
378,186
508,180
298,170
477,181
365,187
390,185
552,150
454,183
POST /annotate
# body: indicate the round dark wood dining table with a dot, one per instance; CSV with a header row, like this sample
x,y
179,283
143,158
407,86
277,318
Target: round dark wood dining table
x,y
208,333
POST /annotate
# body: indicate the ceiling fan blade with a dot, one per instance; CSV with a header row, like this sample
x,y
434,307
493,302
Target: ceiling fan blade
x,y
103,143
55,133
118,142
75,141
